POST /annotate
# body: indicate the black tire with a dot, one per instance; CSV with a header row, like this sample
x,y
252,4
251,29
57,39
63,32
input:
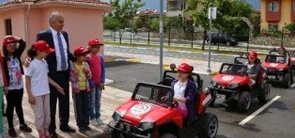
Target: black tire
x,y
287,80
209,126
111,133
265,96
168,135
244,101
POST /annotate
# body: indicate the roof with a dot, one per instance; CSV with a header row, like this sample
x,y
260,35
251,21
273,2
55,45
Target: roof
x,y
79,3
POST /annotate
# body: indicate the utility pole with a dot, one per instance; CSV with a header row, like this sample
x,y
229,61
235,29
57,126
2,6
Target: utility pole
x,y
212,11
161,39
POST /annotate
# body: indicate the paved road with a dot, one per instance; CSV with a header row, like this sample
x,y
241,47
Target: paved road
x,y
276,121
169,53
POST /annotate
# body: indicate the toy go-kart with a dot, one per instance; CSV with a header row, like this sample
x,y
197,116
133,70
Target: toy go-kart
x,y
232,82
147,115
278,69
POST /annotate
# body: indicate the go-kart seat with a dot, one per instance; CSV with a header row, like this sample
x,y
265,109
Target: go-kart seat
x,y
167,81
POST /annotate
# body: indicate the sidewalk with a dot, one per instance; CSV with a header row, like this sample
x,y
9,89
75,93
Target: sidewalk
x,y
200,66
111,98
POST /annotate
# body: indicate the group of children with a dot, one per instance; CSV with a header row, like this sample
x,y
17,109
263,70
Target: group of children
x,y
87,75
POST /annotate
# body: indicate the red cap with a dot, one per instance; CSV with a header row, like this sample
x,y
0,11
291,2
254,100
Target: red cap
x,y
80,51
94,42
252,54
42,46
8,40
184,67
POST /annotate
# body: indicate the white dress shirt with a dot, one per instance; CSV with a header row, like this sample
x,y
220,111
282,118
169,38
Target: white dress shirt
x,y
57,50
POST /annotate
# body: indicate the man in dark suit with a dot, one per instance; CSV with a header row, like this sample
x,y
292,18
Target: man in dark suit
x,y
58,65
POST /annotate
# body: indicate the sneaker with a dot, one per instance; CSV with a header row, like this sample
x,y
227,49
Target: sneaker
x,y
88,128
94,122
25,128
12,132
99,121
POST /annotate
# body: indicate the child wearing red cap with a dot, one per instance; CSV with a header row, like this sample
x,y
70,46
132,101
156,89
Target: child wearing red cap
x,y
79,76
253,65
185,91
13,47
97,67
37,86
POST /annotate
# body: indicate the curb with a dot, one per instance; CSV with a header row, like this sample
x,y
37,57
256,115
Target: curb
x,y
176,48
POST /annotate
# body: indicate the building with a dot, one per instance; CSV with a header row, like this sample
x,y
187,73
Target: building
x,y
25,18
275,14
176,8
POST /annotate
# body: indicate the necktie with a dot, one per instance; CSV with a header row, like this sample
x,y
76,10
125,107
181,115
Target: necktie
x,y
62,53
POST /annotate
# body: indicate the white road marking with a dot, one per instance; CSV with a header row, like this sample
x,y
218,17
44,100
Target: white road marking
x,y
247,119
293,85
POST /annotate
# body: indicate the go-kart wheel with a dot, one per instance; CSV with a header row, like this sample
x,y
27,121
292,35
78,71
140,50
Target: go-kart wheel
x,y
209,126
111,133
168,135
244,101
287,80
265,96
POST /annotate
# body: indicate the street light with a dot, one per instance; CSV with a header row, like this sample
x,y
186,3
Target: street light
x,y
161,39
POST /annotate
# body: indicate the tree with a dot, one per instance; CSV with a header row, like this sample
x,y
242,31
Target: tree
x,y
231,15
291,28
111,23
124,13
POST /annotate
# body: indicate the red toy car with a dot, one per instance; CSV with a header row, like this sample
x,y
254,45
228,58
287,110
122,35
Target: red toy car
x,y
278,69
147,115
233,82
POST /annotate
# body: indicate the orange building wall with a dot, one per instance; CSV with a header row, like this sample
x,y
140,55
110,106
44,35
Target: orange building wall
x,y
286,7
80,23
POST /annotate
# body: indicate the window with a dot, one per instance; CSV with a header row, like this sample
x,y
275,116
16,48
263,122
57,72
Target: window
x,y
273,27
8,27
273,6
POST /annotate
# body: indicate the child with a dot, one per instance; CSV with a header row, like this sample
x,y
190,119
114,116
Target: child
x,y
37,86
80,73
97,67
185,91
13,70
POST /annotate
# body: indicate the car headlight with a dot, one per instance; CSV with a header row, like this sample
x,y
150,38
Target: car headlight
x,y
144,126
117,116
234,85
